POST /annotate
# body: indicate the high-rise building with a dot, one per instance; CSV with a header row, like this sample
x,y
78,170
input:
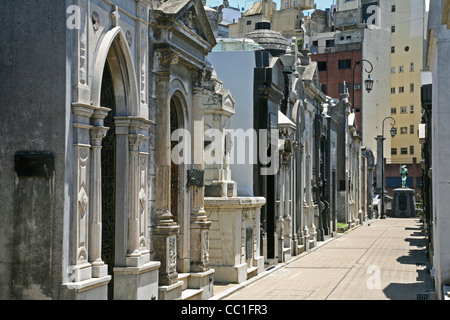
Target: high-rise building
x,y
407,34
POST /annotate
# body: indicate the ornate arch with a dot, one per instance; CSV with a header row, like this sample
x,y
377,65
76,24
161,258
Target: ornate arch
x,y
122,63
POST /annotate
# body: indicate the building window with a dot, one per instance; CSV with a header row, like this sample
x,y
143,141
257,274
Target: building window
x,y
393,151
393,8
401,89
411,150
403,110
396,182
404,130
286,5
344,64
393,70
393,49
393,90
411,129
249,22
401,69
322,65
324,88
411,67
404,151
419,182
393,110
329,43
411,87
392,29
411,108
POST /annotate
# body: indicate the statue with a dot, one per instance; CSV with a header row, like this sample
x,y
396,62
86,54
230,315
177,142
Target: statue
x,y
404,174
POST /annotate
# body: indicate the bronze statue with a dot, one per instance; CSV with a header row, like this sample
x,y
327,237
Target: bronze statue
x,y
404,174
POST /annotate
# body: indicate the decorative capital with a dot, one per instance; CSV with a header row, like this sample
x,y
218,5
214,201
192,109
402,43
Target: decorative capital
x,y
134,141
198,76
97,135
164,58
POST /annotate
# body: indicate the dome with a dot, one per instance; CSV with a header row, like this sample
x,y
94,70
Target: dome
x,y
270,40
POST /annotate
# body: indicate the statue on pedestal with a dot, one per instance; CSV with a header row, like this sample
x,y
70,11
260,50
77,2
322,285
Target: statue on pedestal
x,y
404,174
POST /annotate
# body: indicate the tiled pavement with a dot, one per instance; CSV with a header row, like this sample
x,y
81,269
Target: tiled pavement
x,y
380,260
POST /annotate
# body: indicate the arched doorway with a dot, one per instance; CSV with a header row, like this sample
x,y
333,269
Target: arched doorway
x,y
108,165
179,192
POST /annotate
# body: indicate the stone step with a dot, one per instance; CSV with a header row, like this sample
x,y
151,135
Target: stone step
x,y
191,294
184,277
251,272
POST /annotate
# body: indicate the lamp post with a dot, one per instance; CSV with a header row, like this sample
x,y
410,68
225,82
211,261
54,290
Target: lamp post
x,y
368,83
381,138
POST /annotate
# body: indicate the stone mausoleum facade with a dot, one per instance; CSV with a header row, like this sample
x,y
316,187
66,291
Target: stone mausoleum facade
x,y
93,206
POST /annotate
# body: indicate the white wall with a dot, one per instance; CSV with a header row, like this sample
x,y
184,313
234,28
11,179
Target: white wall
x,y
376,104
235,69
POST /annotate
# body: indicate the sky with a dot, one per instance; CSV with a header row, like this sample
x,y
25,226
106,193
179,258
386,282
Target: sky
x,y
321,4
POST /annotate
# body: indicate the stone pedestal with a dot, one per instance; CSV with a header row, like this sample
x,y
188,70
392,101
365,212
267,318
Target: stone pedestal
x,y
235,237
137,283
203,281
403,205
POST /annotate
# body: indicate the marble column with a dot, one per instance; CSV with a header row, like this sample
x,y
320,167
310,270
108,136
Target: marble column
x,y
133,252
99,268
199,222
165,230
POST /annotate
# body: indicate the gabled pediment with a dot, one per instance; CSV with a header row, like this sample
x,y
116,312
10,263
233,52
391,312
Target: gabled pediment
x,y
189,15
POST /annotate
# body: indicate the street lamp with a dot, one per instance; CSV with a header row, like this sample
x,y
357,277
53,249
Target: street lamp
x,y
368,83
393,132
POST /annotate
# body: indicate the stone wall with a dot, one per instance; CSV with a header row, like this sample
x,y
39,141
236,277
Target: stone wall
x,y
34,118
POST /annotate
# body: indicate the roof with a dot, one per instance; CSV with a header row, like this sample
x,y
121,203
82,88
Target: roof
x,y
283,120
173,6
255,8
270,40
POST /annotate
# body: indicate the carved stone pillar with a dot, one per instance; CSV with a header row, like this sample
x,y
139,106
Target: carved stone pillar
x,y
165,230
133,252
164,58
99,268
199,222
81,268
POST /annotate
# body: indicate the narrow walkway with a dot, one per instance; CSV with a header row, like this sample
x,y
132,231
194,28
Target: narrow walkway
x,y
381,260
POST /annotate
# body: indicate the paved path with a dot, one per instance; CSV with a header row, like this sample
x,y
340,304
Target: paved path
x,y
380,260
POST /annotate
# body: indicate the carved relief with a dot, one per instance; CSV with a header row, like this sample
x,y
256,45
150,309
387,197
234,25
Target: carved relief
x,y
95,21
164,58
83,40
142,201
97,135
83,204
198,76
172,252
206,248
129,38
143,54
188,19
134,141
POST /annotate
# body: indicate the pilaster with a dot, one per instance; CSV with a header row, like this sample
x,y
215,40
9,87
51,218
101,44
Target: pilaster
x,y
165,230
199,227
81,267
